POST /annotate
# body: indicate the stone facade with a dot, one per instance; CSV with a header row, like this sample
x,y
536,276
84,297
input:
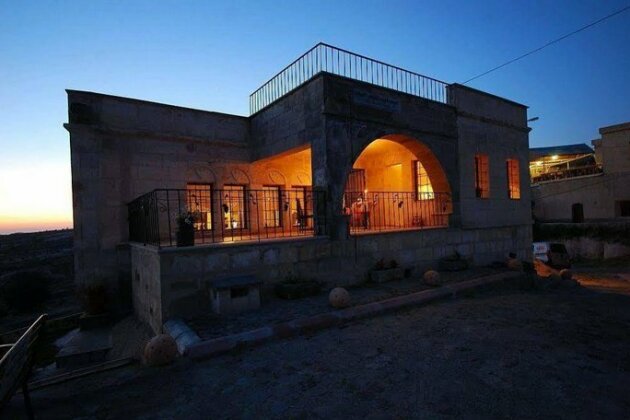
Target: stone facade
x,y
600,195
123,148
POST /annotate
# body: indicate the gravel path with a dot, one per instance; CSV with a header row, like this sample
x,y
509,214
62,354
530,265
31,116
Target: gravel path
x,y
510,354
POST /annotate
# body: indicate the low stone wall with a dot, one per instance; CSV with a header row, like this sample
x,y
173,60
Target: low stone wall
x,y
174,282
595,240
147,286
590,248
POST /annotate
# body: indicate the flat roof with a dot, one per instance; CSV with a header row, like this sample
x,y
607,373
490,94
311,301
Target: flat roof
x,y
568,149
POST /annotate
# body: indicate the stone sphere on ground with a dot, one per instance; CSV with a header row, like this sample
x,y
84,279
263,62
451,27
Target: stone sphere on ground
x,y
432,278
566,274
514,264
160,350
339,298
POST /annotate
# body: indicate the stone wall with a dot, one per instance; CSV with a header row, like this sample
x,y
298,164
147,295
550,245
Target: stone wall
x,y
122,148
291,122
184,273
147,287
498,128
597,194
614,148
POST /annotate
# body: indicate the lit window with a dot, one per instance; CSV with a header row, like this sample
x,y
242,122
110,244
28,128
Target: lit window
x,y
233,207
271,206
423,183
514,185
199,198
482,176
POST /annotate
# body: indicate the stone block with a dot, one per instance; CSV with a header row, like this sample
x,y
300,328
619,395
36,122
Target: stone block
x,y
288,254
306,252
614,250
247,259
217,262
184,264
270,256
382,276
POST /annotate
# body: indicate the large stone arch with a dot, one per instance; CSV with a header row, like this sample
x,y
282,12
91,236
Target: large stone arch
x,y
420,150
334,155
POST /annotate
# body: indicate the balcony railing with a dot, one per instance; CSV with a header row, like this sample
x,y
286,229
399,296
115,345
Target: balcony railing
x,y
388,211
326,58
202,215
568,173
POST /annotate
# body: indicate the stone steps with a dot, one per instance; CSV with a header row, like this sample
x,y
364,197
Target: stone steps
x,y
83,347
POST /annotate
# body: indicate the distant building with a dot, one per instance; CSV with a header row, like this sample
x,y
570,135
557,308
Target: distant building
x,y
576,183
342,162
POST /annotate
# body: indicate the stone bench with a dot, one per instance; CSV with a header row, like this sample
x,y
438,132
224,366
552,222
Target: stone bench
x,y
233,295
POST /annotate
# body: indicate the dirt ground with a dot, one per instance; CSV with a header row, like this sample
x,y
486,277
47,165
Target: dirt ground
x,y
560,353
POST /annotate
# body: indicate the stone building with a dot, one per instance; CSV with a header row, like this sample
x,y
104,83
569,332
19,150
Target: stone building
x,y
577,183
342,162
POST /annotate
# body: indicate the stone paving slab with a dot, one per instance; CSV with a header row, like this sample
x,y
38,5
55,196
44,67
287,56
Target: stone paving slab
x,y
216,346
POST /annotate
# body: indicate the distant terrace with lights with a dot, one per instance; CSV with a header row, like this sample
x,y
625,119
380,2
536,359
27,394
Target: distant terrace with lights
x,y
548,164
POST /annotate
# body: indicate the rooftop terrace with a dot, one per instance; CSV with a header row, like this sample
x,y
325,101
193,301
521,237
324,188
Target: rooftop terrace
x,y
324,58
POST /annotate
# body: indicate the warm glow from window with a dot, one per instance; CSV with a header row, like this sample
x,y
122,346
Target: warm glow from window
x,y
514,185
482,176
423,183
199,198
234,211
271,206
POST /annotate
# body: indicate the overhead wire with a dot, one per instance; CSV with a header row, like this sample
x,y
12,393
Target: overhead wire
x,y
548,44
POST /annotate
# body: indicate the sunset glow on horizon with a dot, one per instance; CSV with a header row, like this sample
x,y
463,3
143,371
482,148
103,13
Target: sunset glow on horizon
x,y
35,199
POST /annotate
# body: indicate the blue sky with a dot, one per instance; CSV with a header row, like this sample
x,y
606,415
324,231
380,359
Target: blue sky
x,y
212,55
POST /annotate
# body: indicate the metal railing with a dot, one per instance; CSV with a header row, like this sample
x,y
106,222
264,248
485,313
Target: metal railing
x,y
387,211
568,173
187,217
326,58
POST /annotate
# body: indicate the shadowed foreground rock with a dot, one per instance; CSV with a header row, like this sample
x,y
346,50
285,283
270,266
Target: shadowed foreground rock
x,y
555,353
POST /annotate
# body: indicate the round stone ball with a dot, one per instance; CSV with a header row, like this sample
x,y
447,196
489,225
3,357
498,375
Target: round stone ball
x,y
432,278
339,298
160,350
566,274
514,264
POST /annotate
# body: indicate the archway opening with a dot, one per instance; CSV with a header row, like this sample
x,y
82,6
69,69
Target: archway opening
x,y
396,183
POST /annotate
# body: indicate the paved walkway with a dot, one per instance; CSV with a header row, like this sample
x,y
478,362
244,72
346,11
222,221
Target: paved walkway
x,y
502,354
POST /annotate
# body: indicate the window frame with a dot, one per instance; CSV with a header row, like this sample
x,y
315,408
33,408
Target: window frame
x,y
418,170
513,177
279,219
199,226
482,184
244,202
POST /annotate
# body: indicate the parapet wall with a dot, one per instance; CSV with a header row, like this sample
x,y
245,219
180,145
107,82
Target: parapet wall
x,y
184,273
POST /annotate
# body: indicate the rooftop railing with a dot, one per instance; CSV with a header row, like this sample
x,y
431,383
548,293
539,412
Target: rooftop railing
x,y
326,58
568,173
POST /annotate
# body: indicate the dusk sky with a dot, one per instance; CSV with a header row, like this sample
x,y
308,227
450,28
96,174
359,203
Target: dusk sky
x,y
211,56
